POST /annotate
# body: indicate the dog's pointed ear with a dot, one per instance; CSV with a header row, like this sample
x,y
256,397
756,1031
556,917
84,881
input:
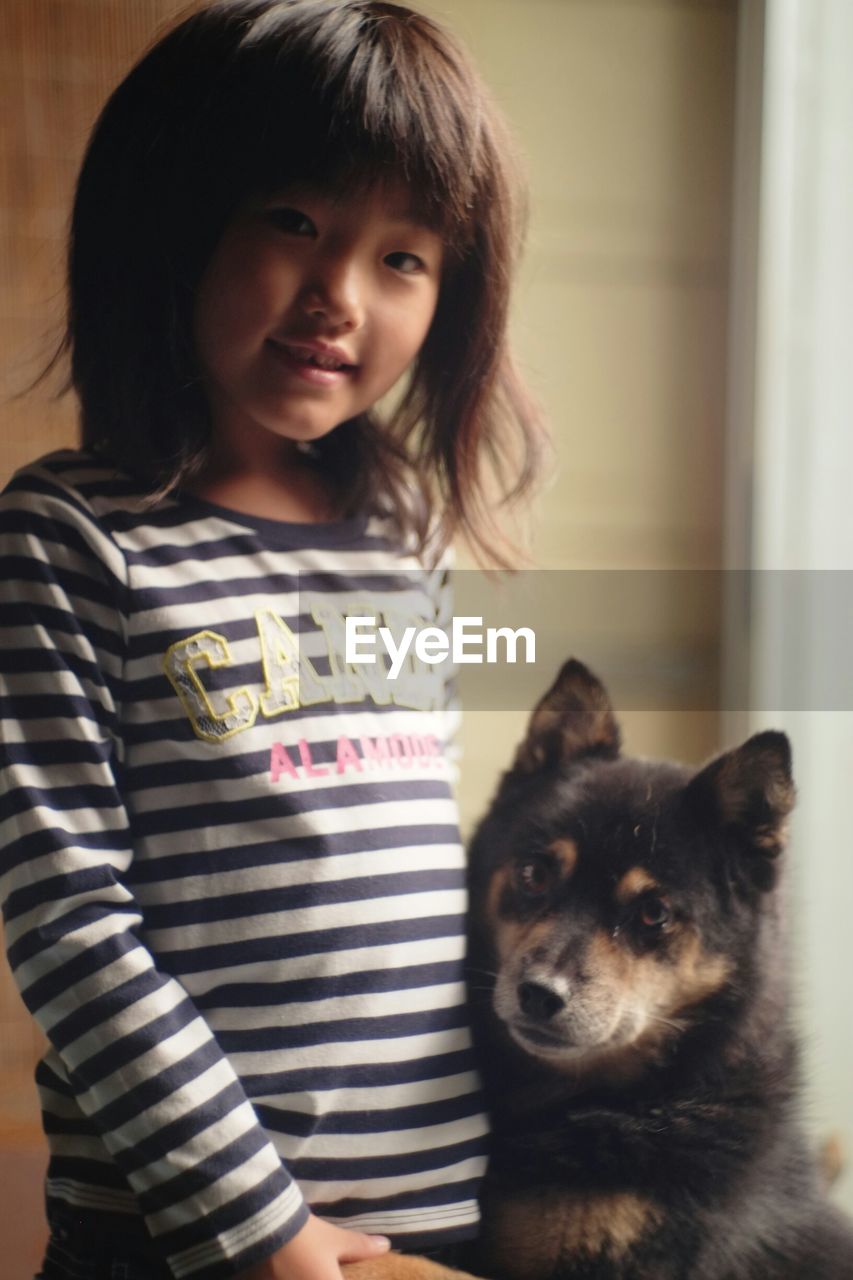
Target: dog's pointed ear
x,y
574,719
750,792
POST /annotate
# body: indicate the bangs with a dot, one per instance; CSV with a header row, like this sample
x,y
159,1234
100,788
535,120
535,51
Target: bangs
x,y
348,95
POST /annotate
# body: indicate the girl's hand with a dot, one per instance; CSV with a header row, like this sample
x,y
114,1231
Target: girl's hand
x,y
316,1252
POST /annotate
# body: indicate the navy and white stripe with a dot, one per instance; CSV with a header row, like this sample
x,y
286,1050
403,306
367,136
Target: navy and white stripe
x,y
232,879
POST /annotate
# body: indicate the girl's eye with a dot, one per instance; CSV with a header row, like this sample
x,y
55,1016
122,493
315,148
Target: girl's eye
x,y
534,877
291,221
407,263
653,913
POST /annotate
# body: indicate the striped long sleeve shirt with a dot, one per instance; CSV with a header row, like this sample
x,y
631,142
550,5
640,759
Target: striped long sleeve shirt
x,y
232,881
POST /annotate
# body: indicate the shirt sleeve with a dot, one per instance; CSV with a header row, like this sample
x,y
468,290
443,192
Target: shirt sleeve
x,y
145,1068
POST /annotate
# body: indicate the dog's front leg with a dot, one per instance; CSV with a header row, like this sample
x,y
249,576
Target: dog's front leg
x,y
401,1266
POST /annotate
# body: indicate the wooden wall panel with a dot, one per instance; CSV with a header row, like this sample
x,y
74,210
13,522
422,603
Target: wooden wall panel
x,y
59,59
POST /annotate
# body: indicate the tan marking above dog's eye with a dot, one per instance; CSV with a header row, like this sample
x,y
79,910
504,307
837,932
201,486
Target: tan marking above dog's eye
x,y
500,880
566,853
634,882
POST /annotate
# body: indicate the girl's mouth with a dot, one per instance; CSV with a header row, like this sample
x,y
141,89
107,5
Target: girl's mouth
x,y
317,366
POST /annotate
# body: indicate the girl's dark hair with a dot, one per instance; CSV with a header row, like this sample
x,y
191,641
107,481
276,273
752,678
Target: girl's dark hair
x,y
242,97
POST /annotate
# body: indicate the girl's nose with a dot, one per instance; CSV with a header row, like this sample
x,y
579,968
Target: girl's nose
x,y
333,293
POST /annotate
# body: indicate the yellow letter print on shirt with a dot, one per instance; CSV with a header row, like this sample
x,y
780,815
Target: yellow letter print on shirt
x,y
290,679
209,649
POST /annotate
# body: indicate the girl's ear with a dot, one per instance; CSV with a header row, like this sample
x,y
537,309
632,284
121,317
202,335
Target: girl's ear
x,y
574,719
748,793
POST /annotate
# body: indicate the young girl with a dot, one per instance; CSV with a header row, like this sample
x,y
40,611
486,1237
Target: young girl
x,y
232,879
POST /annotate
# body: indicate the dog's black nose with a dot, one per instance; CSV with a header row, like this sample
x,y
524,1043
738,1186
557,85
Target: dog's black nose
x,y
538,1001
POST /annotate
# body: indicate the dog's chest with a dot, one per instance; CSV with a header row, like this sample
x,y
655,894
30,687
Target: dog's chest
x,y
537,1234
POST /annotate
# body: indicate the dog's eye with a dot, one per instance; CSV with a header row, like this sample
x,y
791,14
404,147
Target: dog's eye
x,y
653,912
534,877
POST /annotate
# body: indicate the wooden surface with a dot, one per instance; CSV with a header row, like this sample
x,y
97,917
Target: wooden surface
x,y
22,1228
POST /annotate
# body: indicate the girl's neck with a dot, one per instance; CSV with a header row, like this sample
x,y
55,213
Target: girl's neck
x,y
295,489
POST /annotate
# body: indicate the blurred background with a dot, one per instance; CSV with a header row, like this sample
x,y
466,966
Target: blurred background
x,y
684,315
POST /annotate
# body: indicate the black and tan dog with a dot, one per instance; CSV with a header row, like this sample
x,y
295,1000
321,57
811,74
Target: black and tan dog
x,y
628,973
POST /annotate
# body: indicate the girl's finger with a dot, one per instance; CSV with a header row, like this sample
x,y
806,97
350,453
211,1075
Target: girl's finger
x,y
357,1246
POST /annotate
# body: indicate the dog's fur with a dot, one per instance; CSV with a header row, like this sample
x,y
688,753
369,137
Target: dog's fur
x,y
628,976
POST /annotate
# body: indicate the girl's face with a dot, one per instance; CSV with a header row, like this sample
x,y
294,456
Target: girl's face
x,y
309,310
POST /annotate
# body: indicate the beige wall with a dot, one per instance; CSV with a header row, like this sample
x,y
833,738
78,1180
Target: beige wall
x,y
625,114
